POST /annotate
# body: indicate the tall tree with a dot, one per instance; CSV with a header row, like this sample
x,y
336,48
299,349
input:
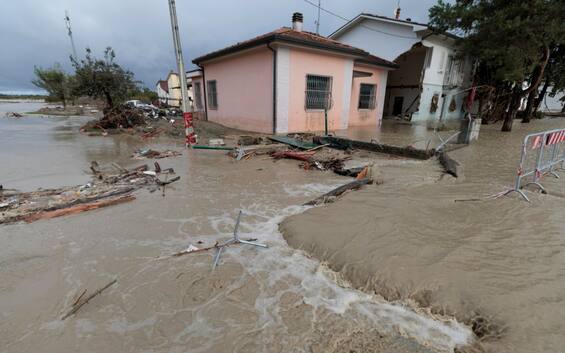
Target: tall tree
x,y
103,78
511,39
53,80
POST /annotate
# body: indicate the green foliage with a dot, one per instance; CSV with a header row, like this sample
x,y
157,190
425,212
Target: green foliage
x,y
507,36
145,95
103,79
513,41
53,80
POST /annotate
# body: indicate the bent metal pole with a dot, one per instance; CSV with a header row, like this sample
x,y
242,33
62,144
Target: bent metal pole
x,y
185,105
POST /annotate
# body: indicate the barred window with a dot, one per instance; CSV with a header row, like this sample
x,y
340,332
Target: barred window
x,y
318,92
367,93
197,96
212,95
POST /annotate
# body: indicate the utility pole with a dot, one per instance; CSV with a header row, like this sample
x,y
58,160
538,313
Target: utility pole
x,y
318,21
70,33
186,110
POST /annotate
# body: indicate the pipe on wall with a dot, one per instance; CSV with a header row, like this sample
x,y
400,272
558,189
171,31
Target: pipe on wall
x,y
205,92
274,88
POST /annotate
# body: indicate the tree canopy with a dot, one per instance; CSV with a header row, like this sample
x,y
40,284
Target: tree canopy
x,y
53,80
103,78
512,41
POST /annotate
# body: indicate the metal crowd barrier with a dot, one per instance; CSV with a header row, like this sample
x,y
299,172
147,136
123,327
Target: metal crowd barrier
x,y
542,154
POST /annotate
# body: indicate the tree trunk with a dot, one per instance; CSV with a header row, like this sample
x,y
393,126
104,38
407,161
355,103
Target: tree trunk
x,y
541,95
109,101
528,112
512,108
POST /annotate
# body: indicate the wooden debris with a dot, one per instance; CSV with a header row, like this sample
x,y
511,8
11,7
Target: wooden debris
x,y
363,174
14,115
449,165
107,188
344,144
153,154
301,156
332,195
77,305
77,208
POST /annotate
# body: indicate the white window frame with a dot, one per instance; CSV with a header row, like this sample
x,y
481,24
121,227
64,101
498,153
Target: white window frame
x,y
197,95
212,94
372,102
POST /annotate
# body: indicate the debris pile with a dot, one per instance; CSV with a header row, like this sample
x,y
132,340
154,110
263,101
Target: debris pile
x,y
120,117
108,187
13,115
153,154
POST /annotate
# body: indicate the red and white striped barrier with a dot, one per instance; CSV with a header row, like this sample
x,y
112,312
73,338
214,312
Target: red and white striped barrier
x,y
189,129
548,148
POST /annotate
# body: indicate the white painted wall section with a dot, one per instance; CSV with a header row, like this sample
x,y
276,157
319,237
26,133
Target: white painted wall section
x,y
283,89
381,91
383,39
347,82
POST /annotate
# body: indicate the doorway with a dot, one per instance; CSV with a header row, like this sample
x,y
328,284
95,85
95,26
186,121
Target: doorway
x,y
397,106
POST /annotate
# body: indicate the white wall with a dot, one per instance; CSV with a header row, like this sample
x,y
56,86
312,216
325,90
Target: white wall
x,y
379,44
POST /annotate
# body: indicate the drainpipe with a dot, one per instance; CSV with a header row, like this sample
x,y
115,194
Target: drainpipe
x,y
205,93
274,88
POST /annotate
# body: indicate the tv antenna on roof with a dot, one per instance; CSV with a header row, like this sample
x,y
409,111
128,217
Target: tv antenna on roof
x,y
70,33
318,21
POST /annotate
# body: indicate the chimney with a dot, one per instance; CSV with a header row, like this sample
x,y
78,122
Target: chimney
x,y
297,21
397,13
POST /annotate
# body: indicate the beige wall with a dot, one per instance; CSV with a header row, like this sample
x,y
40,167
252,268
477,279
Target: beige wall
x,y
366,117
302,63
245,90
174,90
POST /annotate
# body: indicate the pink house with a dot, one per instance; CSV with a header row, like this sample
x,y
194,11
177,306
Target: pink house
x,y
283,81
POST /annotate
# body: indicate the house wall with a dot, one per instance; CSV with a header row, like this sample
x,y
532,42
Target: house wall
x,y
162,94
391,47
385,46
245,90
405,81
365,117
194,81
302,63
174,90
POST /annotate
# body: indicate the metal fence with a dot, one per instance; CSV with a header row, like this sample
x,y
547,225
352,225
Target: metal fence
x,y
542,154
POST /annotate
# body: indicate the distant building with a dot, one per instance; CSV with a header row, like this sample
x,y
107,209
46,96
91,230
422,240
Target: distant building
x,y
431,83
162,89
282,81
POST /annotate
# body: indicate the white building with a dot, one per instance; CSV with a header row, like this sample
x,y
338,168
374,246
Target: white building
x,y
162,89
430,85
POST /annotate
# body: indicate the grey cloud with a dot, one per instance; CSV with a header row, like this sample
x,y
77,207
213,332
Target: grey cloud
x,y
32,32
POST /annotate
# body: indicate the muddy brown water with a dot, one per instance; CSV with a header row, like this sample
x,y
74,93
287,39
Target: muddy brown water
x,y
499,263
258,300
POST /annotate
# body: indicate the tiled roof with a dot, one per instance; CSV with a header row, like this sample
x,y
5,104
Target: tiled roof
x,y
303,38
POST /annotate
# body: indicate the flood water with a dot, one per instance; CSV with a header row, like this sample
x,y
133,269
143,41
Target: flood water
x,y
406,236
257,300
496,263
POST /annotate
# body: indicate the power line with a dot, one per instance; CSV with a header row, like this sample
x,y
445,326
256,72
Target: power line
x,y
360,25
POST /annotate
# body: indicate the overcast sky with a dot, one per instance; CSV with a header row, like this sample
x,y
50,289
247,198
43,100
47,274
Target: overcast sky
x,y
32,32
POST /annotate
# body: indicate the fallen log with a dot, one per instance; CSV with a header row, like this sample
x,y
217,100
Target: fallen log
x,y
76,307
449,165
344,144
29,218
330,196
